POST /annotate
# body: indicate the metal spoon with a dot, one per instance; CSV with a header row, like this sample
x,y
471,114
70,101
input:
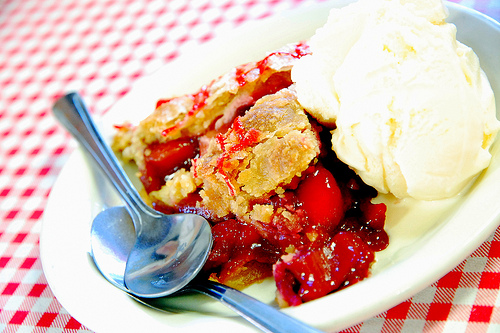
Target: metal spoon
x,y
113,238
169,250
263,316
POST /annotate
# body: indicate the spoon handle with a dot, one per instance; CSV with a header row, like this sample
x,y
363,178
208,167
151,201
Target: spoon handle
x,y
72,113
260,314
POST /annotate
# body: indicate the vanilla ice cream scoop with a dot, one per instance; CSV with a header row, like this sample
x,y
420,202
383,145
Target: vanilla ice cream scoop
x,y
414,113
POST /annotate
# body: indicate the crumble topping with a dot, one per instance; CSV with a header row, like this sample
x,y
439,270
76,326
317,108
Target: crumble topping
x,y
235,171
221,100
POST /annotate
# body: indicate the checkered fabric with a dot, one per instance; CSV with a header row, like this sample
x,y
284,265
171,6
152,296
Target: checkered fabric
x,y
464,300
99,47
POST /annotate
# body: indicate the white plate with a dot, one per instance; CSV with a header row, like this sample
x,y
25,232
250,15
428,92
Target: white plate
x,y
427,240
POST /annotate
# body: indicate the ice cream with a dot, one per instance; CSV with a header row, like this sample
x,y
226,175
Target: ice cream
x,y
414,112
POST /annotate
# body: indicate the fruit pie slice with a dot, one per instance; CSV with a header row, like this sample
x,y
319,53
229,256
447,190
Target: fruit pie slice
x,y
243,153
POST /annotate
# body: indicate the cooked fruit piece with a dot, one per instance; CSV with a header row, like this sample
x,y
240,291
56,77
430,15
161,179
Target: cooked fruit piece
x,y
163,159
321,199
310,273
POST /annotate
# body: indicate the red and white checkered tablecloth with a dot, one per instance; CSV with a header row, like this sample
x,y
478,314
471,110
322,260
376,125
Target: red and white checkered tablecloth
x,y
99,47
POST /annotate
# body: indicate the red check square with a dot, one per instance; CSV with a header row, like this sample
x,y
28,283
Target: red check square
x,y
18,317
450,280
399,311
490,280
439,311
481,313
46,319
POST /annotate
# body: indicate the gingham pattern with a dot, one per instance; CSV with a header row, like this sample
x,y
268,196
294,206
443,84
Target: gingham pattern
x,y
99,47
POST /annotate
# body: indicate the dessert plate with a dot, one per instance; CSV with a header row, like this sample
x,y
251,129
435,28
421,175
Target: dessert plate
x,y
435,235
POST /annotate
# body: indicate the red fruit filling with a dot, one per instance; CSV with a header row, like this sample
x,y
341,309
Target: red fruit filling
x,y
239,248
325,234
313,272
163,159
321,198
329,244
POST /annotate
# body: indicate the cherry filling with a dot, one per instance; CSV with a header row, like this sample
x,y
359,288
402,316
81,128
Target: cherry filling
x,y
328,244
321,198
163,159
240,254
324,230
341,231
310,273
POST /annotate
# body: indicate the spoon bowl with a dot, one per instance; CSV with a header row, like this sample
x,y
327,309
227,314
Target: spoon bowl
x,y
167,254
112,237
